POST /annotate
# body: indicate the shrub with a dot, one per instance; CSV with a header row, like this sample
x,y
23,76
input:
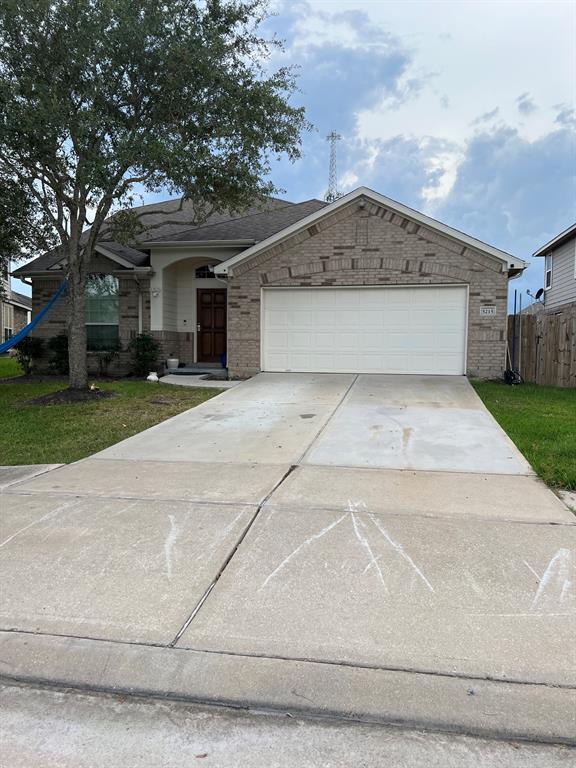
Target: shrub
x,y
58,346
105,357
27,350
144,350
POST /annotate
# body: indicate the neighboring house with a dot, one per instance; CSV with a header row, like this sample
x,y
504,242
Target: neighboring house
x,y
364,284
15,309
559,270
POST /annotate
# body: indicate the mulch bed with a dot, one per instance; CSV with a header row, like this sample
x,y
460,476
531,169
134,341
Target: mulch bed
x,y
70,396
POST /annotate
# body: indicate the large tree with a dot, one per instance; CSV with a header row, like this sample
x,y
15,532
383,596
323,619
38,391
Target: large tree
x,y
100,99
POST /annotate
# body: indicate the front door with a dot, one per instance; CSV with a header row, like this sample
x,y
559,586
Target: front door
x,y
211,328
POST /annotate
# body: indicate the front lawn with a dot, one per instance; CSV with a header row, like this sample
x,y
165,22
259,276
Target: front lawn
x,y
59,434
542,423
9,366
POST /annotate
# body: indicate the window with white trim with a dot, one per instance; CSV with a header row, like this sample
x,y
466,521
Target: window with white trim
x,y
8,321
101,313
547,271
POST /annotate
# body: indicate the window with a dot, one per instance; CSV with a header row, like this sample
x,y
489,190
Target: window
x,y
548,271
8,321
206,271
101,313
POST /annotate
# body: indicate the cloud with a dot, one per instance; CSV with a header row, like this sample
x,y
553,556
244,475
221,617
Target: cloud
x,y
486,117
566,116
525,104
346,63
514,193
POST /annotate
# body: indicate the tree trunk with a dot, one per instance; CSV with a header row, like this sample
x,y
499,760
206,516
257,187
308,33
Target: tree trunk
x,y
78,377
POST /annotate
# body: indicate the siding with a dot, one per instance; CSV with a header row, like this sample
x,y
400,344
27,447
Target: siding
x,y
563,289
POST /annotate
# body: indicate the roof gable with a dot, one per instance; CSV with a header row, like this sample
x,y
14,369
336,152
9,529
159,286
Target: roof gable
x,y
510,261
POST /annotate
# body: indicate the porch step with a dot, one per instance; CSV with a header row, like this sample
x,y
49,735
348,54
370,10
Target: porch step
x,y
192,370
202,366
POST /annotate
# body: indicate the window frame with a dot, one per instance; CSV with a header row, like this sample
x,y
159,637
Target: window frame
x,y
548,264
91,324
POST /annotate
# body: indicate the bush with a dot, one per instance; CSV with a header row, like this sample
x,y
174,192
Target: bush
x,y
105,357
58,346
144,350
27,350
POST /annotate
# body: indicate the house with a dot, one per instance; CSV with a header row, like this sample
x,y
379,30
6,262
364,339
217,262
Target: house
x,y
15,309
559,270
363,284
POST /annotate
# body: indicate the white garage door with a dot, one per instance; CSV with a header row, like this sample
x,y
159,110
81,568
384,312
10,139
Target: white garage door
x,y
365,330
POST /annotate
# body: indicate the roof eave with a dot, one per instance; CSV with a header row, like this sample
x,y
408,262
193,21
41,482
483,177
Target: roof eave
x,y
557,241
9,300
196,244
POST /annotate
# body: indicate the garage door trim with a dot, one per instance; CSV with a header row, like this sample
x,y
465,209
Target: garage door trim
x,y
267,290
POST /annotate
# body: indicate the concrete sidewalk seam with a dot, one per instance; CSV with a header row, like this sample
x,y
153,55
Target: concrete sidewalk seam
x,y
323,428
226,562
184,649
420,513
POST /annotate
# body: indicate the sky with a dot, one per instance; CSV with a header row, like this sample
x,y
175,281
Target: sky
x,y
464,110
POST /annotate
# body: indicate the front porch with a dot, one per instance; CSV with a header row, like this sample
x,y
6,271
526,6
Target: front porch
x,y
188,308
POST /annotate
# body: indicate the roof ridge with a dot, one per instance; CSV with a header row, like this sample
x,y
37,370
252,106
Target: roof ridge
x,y
237,218
177,199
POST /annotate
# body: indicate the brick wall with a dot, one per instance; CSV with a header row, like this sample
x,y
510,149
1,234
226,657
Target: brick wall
x,y
369,246
179,343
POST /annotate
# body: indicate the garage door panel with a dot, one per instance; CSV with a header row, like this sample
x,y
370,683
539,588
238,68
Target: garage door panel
x,y
374,330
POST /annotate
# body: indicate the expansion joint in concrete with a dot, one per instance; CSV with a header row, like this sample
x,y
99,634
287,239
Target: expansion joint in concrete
x,y
231,554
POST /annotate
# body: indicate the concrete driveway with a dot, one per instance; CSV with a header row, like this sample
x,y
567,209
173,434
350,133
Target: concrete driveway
x,y
372,547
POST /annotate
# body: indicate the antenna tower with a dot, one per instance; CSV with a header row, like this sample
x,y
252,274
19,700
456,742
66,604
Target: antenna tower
x,y
332,193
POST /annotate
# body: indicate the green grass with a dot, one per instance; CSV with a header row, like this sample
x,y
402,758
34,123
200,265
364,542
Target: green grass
x,y
59,434
9,366
542,423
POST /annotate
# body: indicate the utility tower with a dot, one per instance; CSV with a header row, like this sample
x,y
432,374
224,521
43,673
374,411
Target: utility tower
x,y
332,193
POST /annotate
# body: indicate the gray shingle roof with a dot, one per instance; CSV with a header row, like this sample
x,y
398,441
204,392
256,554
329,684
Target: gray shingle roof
x,y
164,222
255,227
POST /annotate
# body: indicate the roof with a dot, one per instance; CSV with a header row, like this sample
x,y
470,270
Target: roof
x,y
255,227
162,222
511,261
13,297
557,241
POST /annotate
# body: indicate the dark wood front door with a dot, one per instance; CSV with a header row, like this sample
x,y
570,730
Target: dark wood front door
x,y
211,328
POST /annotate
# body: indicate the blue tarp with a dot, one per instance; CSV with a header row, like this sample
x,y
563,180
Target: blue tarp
x,y
13,340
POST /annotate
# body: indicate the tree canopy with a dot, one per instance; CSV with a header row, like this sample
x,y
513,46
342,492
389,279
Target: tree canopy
x,y
103,99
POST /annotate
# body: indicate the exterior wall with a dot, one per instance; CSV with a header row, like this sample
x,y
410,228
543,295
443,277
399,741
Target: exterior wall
x,y
134,317
369,246
563,288
21,316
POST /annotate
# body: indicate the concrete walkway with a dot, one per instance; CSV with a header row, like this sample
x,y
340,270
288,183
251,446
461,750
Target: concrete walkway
x,y
367,547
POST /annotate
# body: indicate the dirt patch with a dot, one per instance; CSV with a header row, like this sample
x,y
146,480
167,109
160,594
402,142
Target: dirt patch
x,y
71,396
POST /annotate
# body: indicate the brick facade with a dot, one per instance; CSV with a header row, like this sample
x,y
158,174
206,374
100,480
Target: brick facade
x,y
368,244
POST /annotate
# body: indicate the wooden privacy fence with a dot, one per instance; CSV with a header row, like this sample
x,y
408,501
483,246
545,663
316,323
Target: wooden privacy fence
x,y
545,348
